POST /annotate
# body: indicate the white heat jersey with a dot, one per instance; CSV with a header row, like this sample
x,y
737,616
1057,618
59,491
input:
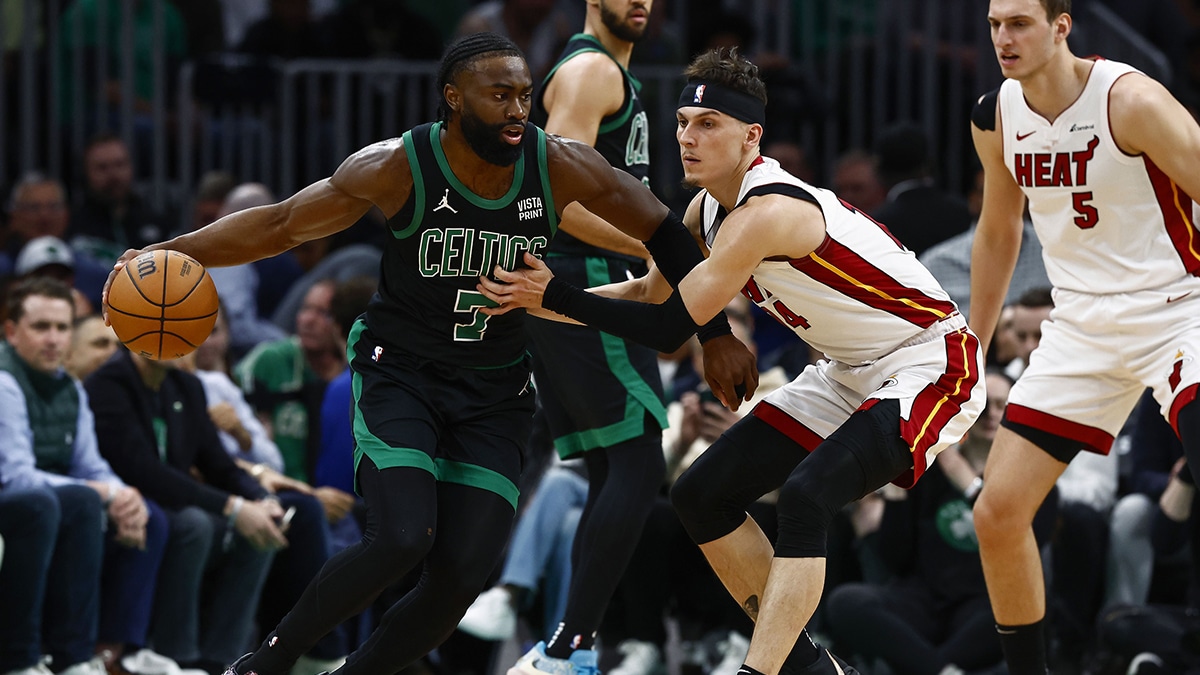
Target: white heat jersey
x,y
1108,222
858,297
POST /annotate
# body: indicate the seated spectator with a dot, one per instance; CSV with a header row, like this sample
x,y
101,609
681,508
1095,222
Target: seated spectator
x,y
950,263
92,343
372,29
238,285
112,217
287,31
59,535
916,211
1161,638
856,179
1135,574
153,427
935,613
1030,311
51,257
37,208
48,440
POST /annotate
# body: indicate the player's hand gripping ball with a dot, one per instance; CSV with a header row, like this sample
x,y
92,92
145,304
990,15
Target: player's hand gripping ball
x,y
162,304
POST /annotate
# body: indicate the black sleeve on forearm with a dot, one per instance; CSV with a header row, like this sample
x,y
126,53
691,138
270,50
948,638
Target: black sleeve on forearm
x,y
663,327
676,253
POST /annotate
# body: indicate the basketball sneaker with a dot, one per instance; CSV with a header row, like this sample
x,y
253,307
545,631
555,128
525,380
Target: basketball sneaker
x,y
491,617
233,668
828,664
535,662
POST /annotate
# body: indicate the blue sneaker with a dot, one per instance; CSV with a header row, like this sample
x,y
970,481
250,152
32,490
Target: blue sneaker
x,y
535,662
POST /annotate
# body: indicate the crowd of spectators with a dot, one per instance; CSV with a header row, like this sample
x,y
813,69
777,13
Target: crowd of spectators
x,y
142,504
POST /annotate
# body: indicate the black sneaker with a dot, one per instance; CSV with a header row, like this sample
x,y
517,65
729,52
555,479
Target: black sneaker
x,y
828,664
233,668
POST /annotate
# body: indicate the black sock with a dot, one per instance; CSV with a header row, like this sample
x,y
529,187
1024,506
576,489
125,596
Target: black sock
x,y
269,659
1024,648
565,641
747,670
804,653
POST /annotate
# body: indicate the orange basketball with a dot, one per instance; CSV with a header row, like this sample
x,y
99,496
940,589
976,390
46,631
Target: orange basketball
x,y
162,304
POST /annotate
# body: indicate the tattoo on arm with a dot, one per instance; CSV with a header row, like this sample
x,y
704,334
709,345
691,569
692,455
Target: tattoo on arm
x,y
751,607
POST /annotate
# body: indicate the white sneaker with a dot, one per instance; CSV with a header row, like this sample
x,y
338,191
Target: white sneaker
x,y
307,665
149,662
733,653
491,616
93,666
641,658
36,669
1146,662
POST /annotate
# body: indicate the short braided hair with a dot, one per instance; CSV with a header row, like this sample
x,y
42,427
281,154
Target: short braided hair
x,y
465,51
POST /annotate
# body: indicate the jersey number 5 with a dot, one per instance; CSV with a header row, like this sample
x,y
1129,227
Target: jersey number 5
x,y
1088,216
472,302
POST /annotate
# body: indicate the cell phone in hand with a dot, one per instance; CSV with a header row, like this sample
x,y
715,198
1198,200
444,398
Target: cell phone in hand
x,y
286,521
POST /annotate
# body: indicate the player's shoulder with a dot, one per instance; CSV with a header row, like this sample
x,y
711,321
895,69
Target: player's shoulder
x,y
569,155
589,63
1134,90
983,113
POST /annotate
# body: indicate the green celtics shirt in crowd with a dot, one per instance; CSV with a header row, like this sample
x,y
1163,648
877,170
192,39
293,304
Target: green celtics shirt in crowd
x,y
623,138
280,386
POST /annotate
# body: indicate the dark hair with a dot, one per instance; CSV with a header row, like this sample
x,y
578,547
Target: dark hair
x,y
101,138
1035,298
1056,7
215,186
728,68
48,287
350,299
462,53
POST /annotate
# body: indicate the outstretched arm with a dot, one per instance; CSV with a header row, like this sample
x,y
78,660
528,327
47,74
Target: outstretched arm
x,y
376,175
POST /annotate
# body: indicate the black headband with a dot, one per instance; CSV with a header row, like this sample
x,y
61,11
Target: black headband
x,y
723,99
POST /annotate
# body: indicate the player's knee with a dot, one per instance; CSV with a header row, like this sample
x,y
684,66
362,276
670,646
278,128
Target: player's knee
x,y
999,517
805,511
395,549
694,498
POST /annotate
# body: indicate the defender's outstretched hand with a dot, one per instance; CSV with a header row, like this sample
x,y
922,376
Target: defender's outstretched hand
x,y
521,288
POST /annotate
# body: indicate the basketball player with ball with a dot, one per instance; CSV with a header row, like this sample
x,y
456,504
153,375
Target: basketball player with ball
x,y
443,397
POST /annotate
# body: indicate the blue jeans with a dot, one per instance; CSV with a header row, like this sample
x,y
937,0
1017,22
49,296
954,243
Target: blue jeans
x,y
50,534
541,543
128,581
212,623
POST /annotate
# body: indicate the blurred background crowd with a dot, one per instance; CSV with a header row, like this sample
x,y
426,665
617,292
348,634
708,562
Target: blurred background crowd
x,y
124,122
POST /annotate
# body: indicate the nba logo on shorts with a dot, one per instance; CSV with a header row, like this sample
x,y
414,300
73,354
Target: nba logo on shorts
x,y
699,96
378,353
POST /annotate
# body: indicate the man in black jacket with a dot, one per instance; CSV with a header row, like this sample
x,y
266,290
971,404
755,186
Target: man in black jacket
x,y
153,427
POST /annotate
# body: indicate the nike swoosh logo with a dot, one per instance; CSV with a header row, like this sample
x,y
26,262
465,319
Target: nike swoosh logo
x,y
1170,300
1021,137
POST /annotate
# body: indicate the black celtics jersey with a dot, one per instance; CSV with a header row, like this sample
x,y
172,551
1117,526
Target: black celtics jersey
x,y
443,239
623,138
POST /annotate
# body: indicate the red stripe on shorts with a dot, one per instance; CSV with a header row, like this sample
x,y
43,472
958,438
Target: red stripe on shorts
x,y
939,402
1181,399
1096,440
787,425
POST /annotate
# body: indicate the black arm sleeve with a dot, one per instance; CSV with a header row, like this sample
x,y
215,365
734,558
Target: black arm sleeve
x,y
663,327
676,253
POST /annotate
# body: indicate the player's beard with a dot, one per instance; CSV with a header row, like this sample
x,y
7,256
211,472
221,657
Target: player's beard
x,y
617,26
487,141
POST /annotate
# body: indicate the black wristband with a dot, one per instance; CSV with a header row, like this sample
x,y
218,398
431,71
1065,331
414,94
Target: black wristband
x,y
716,327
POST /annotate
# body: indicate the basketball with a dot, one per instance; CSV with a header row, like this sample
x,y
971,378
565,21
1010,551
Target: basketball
x,y
162,304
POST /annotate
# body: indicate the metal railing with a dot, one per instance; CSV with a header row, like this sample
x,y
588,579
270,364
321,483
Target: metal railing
x,y
857,66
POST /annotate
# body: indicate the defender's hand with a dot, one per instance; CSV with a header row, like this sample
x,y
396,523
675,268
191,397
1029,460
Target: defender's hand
x,y
521,288
128,255
731,370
